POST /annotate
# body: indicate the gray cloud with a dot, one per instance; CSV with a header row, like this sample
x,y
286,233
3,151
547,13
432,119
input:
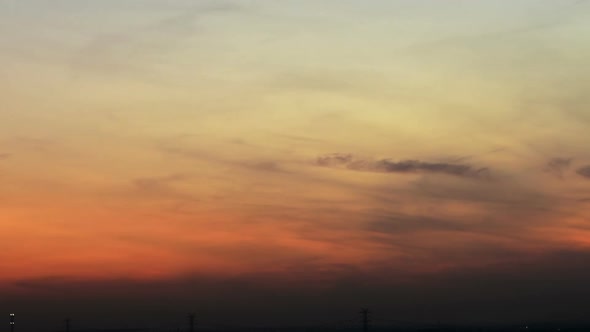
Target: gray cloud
x,y
334,159
585,171
557,166
496,213
404,166
497,194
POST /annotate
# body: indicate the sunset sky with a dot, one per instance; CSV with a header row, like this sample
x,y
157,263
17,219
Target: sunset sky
x,y
416,148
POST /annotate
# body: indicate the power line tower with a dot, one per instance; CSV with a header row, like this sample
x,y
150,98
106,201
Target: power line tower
x,y
191,322
67,321
365,319
12,316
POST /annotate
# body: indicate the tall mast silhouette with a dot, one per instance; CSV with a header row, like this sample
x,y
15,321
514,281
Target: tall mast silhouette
x,y
191,322
12,316
365,319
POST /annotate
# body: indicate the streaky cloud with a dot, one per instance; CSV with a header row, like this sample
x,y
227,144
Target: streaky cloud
x,y
161,187
111,53
403,224
266,166
403,166
334,159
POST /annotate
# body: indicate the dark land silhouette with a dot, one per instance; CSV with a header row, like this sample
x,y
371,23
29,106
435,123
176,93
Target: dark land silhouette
x,y
364,323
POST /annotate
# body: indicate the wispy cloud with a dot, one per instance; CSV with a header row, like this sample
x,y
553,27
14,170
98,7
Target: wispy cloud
x,y
396,224
270,166
585,171
348,161
161,187
266,166
557,166
551,18
129,49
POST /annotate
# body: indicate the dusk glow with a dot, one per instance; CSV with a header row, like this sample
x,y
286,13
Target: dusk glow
x,y
299,145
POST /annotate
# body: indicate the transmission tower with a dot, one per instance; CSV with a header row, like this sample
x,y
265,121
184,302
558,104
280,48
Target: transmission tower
x,y
365,319
191,322
12,322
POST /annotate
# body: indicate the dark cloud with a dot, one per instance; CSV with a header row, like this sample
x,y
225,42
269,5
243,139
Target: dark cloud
x,y
585,171
334,159
420,166
505,194
557,166
404,166
498,215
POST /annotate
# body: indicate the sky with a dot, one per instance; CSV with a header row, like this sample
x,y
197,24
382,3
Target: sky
x,y
287,162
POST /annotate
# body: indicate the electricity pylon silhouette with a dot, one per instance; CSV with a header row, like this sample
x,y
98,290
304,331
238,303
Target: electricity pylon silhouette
x,y
365,319
12,322
191,322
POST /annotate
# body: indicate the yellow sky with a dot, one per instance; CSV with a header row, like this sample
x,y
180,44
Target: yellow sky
x,y
179,137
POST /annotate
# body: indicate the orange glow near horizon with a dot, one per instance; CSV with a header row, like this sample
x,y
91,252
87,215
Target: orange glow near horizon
x,y
183,139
